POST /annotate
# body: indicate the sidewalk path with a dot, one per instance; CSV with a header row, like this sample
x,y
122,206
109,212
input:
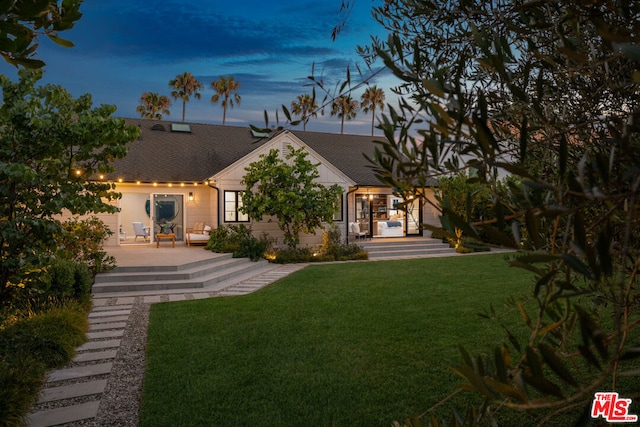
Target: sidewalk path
x,y
103,384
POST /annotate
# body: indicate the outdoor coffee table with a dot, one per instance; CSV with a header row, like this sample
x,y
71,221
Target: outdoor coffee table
x,y
171,236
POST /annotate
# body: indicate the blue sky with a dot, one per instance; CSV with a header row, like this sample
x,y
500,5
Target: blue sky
x,y
124,48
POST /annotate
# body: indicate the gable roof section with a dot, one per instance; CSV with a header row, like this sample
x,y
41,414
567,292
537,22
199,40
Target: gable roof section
x,y
195,156
166,156
278,141
346,152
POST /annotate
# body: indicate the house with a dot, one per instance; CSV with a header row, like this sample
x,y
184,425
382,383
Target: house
x,y
178,175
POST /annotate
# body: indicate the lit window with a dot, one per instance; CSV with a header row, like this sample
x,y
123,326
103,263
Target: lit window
x,y
232,204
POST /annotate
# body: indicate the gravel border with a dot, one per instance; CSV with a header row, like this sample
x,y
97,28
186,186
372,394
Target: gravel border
x,y
120,402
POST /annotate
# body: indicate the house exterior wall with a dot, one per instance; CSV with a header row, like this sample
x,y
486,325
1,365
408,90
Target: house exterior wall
x,y
230,180
201,209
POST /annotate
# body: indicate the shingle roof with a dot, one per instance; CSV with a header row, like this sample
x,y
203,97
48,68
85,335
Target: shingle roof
x,y
346,152
167,156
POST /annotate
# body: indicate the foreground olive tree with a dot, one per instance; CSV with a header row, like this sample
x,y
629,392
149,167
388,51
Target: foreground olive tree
x,y
286,187
22,21
547,91
51,145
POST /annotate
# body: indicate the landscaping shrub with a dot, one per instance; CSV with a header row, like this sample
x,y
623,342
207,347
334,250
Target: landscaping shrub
x,y
334,249
30,346
238,240
292,255
82,241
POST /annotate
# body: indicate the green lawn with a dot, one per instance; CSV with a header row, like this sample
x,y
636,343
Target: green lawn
x,y
354,344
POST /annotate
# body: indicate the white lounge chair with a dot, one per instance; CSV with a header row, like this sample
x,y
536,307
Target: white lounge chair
x,y
354,230
140,231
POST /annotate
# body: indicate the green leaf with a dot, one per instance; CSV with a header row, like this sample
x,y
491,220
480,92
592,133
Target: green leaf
x,y
60,41
499,236
29,63
501,366
555,363
512,339
603,245
589,356
544,281
543,385
533,362
533,228
577,265
286,112
506,390
434,87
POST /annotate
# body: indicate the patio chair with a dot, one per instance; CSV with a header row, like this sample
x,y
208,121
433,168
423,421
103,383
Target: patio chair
x,y
354,228
140,231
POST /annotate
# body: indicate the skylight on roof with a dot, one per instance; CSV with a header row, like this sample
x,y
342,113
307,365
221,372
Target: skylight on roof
x,y
180,127
257,134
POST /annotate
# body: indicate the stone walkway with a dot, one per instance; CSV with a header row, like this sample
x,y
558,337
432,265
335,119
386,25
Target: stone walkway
x,y
73,394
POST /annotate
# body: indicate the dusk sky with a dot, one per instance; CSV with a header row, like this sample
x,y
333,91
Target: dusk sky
x,y
124,48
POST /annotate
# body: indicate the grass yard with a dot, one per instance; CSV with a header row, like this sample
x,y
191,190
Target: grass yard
x,y
353,344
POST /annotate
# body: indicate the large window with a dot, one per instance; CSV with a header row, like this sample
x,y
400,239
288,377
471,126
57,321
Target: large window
x,y
232,204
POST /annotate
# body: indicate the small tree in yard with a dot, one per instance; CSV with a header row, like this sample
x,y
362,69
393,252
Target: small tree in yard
x,y
286,188
50,147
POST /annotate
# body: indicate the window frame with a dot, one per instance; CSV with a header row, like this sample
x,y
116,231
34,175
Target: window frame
x,y
237,202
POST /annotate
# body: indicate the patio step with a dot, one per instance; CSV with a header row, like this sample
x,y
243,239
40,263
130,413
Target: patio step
x,y
204,274
180,272
390,248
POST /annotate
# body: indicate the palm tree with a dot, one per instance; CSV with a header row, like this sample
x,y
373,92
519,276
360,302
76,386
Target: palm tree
x,y
344,107
224,87
305,106
153,106
370,100
185,85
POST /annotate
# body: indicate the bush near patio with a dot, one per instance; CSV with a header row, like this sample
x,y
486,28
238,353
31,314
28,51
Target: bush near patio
x,y
47,318
238,240
50,146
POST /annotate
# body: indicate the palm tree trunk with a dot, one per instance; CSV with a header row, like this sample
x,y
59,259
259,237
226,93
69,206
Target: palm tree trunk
x,y
373,118
224,115
342,125
184,105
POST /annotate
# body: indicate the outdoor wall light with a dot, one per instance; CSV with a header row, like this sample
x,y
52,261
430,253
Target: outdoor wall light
x,y
191,196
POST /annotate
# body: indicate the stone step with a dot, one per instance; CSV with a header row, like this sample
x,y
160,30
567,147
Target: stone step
x,y
80,372
67,414
102,326
73,390
200,270
172,267
105,314
406,247
99,345
113,307
93,356
221,274
107,320
411,253
116,333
